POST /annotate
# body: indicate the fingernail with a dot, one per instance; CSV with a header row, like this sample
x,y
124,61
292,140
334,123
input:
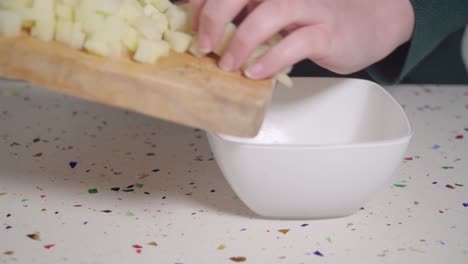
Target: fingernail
x,y
253,71
205,45
227,62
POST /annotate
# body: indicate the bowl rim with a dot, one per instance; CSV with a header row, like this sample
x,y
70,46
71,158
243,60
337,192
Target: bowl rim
x,y
375,143
368,144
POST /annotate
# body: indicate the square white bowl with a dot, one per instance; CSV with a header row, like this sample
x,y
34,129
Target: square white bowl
x,y
325,146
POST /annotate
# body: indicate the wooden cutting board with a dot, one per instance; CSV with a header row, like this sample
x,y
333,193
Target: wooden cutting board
x,y
180,88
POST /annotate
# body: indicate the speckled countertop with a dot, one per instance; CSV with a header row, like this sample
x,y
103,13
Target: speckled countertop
x,y
85,183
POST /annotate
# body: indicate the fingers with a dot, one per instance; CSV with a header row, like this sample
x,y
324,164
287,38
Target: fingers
x,y
247,10
311,42
265,21
194,10
253,4
214,17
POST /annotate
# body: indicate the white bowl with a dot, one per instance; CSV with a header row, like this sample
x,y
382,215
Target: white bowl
x,y
326,145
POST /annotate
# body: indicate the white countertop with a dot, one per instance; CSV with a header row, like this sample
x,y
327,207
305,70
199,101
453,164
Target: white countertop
x,y
185,212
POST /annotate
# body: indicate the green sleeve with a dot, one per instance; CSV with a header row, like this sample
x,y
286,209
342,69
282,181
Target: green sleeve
x,y
434,53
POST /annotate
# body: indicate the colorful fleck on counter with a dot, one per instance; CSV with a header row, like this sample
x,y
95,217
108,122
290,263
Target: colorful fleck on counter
x,y
86,183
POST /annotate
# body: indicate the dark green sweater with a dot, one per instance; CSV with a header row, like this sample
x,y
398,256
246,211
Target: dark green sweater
x,y
434,54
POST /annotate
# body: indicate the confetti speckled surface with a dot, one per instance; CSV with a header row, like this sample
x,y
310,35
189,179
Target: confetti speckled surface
x,y
85,183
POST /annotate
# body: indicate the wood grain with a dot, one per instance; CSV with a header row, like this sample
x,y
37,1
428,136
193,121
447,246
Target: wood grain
x,y
179,88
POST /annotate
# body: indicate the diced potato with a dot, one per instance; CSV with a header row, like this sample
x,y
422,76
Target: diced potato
x,y
115,48
44,29
97,47
161,5
27,17
93,23
10,23
161,48
13,4
130,39
179,42
260,51
64,12
70,2
178,19
228,34
150,51
144,2
114,28
43,9
288,70
149,10
148,28
184,7
274,40
107,7
82,12
64,31
161,21
195,50
107,36
130,11
284,79
28,24
44,14
78,36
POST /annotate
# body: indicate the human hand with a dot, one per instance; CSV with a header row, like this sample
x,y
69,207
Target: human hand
x,y
343,36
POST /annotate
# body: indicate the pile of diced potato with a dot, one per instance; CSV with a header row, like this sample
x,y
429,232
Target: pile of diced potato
x,y
147,29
